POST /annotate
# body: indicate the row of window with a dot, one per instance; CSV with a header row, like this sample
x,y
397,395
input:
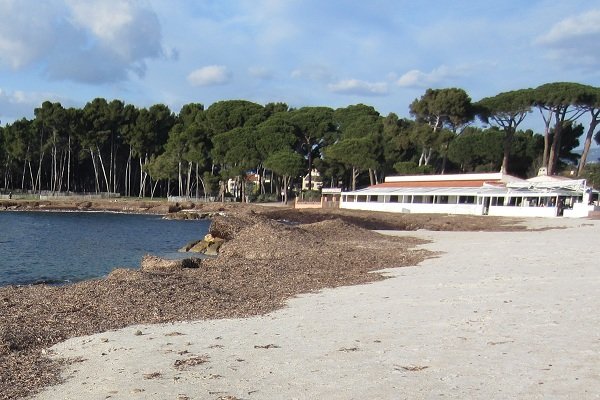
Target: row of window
x,y
411,199
538,201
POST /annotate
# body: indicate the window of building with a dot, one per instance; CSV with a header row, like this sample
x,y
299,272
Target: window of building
x,y
466,199
361,199
393,199
374,197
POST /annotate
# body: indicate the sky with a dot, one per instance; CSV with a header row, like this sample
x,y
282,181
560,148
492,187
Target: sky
x,y
383,53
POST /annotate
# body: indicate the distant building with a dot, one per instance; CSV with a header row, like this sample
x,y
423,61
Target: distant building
x,y
477,194
316,181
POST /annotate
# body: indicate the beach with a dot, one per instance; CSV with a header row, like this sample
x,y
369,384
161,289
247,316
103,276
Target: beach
x,y
493,315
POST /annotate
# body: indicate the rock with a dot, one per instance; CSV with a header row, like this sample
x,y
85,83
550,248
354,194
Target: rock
x,y
199,247
209,245
188,246
213,248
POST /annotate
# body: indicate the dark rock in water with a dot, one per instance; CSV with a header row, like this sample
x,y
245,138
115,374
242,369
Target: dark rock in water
x,y
190,215
199,247
188,246
209,245
157,264
213,248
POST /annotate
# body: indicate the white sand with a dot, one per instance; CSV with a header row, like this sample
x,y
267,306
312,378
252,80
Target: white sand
x,y
498,315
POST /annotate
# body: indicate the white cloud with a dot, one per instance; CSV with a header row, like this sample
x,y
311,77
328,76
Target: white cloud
x,y
95,41
15,104
20,43
209,76
417,79
358,87
580,26
575,41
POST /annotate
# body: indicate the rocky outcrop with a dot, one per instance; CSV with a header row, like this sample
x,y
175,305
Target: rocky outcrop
x,y
157,264
209,245
191,215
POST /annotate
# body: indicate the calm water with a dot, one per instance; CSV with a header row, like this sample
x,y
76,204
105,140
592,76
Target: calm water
x,y
67,247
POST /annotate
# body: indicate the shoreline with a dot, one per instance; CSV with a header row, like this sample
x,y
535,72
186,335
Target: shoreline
x,y
250,277
493,323
264,264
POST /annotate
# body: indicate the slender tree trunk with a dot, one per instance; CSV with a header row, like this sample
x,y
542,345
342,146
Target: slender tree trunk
x,y
25,162
508,138
31,176
310,163
103,170
556,141
189,180
61,175
588,140
371,177
179,179
95,170
69,166
547,120
6,172
198,180
153,190
428,156
286,183
38,178
354,176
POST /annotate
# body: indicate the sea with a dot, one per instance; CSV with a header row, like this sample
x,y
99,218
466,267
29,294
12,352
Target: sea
x,y
65,247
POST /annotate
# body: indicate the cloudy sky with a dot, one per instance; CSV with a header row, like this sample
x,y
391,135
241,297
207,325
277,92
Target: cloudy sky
x,y
384,53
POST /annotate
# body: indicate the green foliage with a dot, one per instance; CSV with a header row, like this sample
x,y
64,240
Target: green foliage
x,y
439,108
591,173
477,148
226,115
285,163
359,153
110,145
412,168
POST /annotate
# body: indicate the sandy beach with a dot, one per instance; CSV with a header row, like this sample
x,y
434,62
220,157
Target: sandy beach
x,y
497,315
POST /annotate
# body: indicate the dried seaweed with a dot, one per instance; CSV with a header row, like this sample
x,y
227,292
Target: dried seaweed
x,y
263,263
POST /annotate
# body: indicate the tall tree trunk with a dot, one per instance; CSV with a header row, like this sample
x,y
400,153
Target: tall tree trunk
x,y
371,177
355,173
189,180
506,153
95,170
286,183
310,164
588,140
556,141
547,120
103,170
197,180
38,178
69,166
31,176
24,170
179,179
153,190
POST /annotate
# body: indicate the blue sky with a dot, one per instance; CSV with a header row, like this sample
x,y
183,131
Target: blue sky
x,y
329,52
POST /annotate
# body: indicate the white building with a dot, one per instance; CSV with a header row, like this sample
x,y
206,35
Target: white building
x,y
476,194
316,182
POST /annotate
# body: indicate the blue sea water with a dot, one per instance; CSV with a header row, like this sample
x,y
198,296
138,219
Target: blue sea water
x,y
57,247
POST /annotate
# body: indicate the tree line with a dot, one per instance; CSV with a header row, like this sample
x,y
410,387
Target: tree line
x,y
110,146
